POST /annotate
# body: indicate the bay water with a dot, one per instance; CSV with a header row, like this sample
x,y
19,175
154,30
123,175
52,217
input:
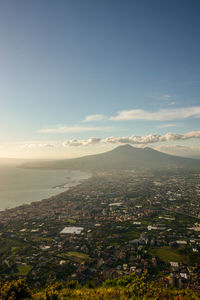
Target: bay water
x,y
22,186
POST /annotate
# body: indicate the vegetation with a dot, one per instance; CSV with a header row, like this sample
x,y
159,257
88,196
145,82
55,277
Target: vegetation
x,y
15,289
127,287
167,254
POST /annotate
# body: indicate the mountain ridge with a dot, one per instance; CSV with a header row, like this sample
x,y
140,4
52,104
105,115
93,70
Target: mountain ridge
x,y
120,158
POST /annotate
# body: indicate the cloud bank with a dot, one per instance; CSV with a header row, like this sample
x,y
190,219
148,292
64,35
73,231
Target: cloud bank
x,y
75,142
135,139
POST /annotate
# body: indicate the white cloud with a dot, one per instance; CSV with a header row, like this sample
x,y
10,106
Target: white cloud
x,y
37,145
76,142
113,140
166,97
93,118
135,139
160,115
31,145
168,125
73,142
48,145
192,134
74,129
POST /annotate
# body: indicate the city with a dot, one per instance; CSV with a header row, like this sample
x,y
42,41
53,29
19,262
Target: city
x,y
110,225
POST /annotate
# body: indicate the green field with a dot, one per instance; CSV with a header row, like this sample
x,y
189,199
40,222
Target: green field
x,y
23,269
76,256
168,254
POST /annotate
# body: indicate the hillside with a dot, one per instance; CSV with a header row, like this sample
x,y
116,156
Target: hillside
x,y
121,158
127,287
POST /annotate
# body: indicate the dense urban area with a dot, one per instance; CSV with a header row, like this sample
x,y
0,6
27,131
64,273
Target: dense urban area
x,y
111,225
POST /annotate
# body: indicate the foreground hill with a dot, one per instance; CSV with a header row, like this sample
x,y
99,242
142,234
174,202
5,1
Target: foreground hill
x,y
121,158
127,287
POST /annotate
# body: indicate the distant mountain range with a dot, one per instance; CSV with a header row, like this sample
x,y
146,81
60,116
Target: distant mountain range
x,y
124,157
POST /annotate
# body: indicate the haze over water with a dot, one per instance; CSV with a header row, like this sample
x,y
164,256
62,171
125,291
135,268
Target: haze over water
x,y
22,186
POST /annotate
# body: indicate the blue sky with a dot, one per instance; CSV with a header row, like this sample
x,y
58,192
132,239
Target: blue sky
x,y
70,67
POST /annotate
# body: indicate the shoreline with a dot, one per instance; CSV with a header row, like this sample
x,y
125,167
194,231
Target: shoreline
x,y
60,188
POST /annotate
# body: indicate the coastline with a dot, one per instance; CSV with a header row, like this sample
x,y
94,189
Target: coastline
x,y
11,195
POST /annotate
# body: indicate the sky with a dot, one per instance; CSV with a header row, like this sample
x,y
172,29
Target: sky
x,y
80,77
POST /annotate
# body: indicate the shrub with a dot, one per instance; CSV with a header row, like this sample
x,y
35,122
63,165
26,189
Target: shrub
x,y
14,290
53,290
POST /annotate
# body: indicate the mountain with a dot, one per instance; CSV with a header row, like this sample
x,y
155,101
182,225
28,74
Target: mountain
x,y
121,158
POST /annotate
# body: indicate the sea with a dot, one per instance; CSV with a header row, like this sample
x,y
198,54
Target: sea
x,y
22,186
